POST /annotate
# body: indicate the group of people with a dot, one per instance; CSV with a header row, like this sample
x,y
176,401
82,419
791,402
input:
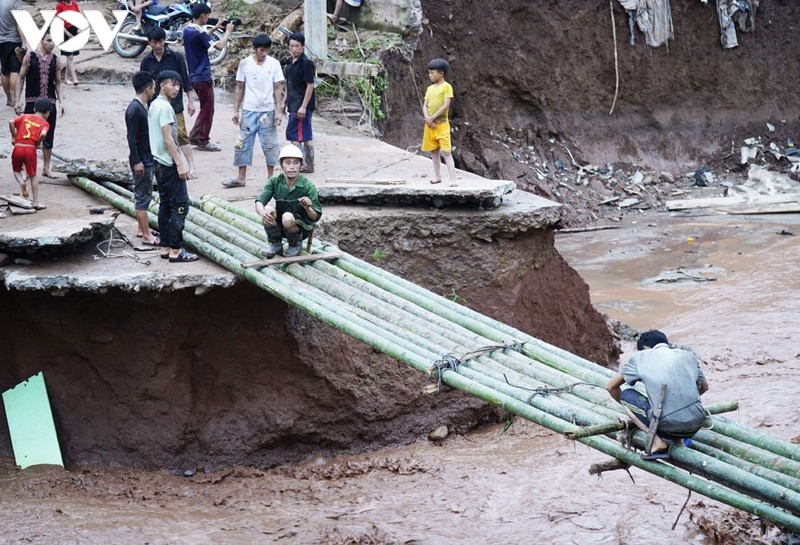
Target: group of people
x,y
259,106
161,148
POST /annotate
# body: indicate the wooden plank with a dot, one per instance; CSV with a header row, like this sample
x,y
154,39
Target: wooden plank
x,y
296,259
364,181
348,68
733,200
17,201
777,208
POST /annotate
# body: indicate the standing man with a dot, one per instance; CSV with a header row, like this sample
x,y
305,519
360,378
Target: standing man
x,y
163,58
300,74
40,75
170,168
259,87
196,42
671,410
140,157
10,40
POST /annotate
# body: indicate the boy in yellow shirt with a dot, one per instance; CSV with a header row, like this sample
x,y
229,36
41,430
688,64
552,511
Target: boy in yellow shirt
x,y
436,135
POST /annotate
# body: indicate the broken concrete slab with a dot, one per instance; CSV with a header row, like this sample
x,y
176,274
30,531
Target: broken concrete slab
x,y
488,194
41,231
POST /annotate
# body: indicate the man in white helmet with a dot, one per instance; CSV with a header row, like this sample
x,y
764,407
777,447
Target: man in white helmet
x,y
296,209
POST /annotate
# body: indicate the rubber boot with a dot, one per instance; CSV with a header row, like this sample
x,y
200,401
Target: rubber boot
x,y
295,244
308,168
275,238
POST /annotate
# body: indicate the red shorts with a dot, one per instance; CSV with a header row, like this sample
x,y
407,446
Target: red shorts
x,y
24,155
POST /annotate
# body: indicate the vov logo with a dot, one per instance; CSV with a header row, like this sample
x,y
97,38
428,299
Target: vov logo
x,y
89,19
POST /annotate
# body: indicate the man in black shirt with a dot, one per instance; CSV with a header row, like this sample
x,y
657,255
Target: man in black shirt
x,y
300,73
163,58
140,157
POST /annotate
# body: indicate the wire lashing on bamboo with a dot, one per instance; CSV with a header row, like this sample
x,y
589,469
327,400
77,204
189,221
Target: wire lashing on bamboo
x,y
449,362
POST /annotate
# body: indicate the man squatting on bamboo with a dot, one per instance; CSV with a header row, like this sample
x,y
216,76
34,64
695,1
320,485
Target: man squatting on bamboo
x,y
296,209
655,364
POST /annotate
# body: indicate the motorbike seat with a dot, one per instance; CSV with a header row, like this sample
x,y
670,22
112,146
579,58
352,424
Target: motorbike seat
x,y
156,10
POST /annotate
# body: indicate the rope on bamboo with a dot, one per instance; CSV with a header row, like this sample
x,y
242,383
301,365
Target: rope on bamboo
x,y
541,390
449,362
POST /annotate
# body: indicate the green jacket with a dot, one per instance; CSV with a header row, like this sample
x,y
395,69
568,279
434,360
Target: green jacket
x,y
288,199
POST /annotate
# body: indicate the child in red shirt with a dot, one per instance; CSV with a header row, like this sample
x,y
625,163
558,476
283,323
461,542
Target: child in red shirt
x,y
28,132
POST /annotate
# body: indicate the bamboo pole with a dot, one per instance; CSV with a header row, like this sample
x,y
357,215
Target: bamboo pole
x,y
750,453
734,430
755,469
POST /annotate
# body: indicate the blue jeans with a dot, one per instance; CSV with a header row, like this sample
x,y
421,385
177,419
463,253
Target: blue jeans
x,y
252,124
174,205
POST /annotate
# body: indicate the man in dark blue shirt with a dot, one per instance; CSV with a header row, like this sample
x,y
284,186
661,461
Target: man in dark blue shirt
x,y
196,41
163,58
140,157
300,73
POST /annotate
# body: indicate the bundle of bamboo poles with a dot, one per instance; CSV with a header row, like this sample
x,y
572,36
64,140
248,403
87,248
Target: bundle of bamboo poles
x,y
463,349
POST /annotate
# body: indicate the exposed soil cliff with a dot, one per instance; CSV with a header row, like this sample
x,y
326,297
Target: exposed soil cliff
x,y
536,79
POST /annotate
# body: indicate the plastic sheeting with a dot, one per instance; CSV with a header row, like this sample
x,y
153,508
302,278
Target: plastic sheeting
x,y
30,423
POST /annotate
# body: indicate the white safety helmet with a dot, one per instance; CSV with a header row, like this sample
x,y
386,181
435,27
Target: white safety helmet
x,y
290,151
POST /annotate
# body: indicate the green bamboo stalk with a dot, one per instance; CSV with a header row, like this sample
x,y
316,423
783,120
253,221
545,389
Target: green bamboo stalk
x,y
749,452
602,429
733,477
734,430
599,429
755,469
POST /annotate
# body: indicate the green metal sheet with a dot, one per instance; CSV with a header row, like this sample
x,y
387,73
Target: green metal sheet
x,y
30,423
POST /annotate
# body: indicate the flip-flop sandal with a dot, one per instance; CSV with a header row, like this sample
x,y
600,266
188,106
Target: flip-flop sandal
x,y
661,455
156,242
233,182
184,257
436,181
164,256
40,206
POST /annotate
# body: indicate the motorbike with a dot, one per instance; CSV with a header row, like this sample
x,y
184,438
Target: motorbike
x,y
130,43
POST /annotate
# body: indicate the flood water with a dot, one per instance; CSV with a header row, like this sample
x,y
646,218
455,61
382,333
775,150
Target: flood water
x,y
526,486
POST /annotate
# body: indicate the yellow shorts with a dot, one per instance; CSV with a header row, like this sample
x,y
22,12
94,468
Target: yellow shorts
x,y
183,136
437,137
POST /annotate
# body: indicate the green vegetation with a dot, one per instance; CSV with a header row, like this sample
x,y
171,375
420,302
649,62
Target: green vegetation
x,y
456,298
367,91
237,9
378,254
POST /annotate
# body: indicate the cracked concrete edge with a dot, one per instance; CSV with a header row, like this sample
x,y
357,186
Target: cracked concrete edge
x,y
31,242
20,280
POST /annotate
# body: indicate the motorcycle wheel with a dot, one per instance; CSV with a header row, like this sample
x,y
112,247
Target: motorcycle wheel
x,y
126,48
217,55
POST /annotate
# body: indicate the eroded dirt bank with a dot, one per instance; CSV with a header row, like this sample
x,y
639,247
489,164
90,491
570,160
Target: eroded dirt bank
x,y
235,376
533,77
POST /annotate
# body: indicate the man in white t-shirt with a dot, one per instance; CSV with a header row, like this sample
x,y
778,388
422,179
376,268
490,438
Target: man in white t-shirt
x,y
259,88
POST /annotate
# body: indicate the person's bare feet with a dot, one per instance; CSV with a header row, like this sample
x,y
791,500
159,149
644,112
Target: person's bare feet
x,y
24,189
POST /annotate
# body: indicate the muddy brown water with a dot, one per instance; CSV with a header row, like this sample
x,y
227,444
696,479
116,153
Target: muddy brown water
x,y
527,485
